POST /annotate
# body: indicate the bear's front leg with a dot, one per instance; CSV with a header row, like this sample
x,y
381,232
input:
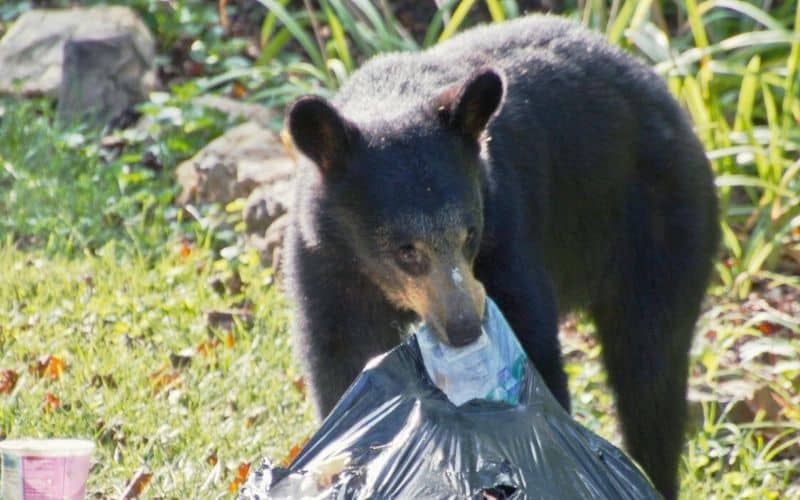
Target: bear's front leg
x,y
341,321
522,290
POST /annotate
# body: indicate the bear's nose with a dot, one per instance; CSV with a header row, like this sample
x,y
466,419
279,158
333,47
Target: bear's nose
x,y
463,331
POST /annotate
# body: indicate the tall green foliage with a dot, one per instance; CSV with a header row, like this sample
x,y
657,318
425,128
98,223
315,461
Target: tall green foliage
x,y
731,64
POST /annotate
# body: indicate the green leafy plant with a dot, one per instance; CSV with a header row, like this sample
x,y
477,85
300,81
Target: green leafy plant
x,y
358,30
740,90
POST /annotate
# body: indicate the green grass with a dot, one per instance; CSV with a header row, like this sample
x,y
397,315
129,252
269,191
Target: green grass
x,y
62,191
122,325
734,451
100,270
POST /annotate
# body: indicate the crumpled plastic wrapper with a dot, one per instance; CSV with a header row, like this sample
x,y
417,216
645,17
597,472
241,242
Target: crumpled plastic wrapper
x,y
491,368
394,434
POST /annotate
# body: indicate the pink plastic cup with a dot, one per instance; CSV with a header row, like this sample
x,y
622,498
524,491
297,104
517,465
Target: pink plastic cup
x,y
44,469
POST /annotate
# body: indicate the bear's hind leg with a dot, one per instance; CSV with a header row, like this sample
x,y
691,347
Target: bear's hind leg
x,y
645,312
646,358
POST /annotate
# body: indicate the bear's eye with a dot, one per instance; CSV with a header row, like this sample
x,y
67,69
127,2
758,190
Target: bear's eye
x,y
470,238
412,260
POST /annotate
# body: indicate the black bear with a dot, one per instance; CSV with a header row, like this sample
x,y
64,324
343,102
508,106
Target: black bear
x,y
529,161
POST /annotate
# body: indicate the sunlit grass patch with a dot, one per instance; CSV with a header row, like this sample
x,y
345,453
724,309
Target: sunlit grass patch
x,y
143,374
744,391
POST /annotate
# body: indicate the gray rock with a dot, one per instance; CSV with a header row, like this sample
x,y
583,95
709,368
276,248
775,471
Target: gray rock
x,y
266,217
269,245
236,109
250,162
265,204
101,79
233,166
32,52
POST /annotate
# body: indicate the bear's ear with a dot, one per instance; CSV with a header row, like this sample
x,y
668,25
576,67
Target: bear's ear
x,y
468,107
321,133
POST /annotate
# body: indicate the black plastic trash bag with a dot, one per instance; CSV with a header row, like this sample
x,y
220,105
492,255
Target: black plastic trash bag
x,y
396,435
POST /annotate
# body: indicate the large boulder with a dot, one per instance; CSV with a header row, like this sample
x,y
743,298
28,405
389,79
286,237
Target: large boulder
x,y
249,162
233,166
266,216
102,78
32,52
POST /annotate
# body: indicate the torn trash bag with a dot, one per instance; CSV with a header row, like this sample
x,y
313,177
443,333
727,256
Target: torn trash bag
x,y
396,435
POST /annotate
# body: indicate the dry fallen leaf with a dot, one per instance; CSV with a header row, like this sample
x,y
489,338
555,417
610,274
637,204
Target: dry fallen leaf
x,y
223,14
238,90
49,366
51,402
296,449
164,378
205,348
185,248
300,384
8,380
241,476
56,367
767,328
138,484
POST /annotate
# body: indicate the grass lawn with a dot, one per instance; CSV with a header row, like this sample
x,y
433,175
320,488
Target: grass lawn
x,y
117,349
120,322
152,331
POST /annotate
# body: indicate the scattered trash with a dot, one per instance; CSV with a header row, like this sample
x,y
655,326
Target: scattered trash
x,y
45,468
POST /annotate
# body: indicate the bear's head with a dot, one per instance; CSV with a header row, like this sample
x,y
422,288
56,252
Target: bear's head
x,y
403,197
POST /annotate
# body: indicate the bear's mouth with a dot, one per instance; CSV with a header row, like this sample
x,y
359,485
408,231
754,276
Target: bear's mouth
x,y
451,301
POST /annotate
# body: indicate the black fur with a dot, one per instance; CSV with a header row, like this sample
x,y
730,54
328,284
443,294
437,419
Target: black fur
x,y
588,188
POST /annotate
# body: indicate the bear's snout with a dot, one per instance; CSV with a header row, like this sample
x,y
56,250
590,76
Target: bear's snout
x,y
461,308
463,330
